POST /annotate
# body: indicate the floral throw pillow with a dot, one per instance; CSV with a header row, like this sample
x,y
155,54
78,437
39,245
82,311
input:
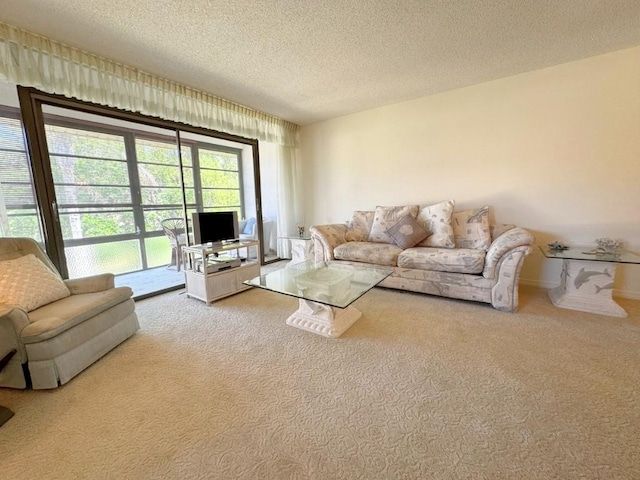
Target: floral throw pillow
x,y
387,217
471,228
437,220
407,232
360,226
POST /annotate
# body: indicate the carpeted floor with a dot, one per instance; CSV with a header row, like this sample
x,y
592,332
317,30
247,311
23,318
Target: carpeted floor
x,y
419,388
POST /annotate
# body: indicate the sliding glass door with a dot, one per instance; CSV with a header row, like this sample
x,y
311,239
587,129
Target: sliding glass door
x,y
110,190
111,186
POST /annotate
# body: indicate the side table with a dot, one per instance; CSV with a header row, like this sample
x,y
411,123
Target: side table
x,y
586,281
301,249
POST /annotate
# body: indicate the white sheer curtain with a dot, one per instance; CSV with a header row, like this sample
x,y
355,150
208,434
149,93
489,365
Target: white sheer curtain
x,y
34,61
290,208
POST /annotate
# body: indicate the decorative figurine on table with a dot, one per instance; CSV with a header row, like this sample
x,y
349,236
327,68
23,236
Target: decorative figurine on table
x,y
606,246
301,231
557,247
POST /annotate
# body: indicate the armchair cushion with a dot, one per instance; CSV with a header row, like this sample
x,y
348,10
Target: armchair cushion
x,y
55,318
249,226
28,283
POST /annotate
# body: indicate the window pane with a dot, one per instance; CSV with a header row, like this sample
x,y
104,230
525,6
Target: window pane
x,y
218,160
188,176
15,185
158,251
73,195
191,195
161,196
219,179
85,171
113,257
187,159
71,141
152,151
18,211
79,223
11,136
159,175
220,198
24,223
152,218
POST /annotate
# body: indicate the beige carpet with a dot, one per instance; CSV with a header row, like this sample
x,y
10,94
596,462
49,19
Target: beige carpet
x,y
420,387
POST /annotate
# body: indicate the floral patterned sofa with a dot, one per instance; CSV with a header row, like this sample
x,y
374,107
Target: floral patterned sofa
x,y
434,250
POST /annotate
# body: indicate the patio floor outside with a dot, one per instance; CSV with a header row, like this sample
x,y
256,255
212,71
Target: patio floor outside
x,y
159,279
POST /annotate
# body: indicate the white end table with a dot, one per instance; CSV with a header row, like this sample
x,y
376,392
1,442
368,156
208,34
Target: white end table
x,y
586,281
301,248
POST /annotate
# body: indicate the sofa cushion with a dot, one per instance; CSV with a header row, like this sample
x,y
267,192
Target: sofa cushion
x,y
407,232
360,226
459,260
437,220
50,320
368,252
386,217
27,282
471,228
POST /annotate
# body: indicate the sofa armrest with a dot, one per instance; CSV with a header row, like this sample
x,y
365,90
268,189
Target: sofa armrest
x,y
503,245
92,284
328,237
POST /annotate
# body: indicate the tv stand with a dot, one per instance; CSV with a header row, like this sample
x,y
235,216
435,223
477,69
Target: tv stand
x,y
216,271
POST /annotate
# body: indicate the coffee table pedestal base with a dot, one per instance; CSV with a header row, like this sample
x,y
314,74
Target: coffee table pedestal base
x,y
587,286
322,319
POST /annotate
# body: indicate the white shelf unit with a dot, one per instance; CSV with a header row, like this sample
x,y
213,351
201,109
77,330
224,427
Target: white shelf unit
x,y
212,286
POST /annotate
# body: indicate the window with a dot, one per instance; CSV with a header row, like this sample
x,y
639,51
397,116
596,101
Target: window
x,y
115,184
18,208
110,177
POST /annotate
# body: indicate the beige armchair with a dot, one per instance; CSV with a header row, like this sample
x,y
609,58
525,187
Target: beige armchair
x,y
55,341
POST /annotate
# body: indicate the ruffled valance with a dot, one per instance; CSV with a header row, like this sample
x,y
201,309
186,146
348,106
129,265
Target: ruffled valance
x,y
35,61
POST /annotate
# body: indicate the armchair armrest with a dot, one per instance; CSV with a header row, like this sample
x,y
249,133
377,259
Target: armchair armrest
x,y
92,284
13,319
328,237
503,245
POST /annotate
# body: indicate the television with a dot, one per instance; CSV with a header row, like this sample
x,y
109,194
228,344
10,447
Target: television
x,y
215,227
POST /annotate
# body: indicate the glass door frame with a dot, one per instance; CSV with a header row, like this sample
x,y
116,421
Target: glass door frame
x,y
31,103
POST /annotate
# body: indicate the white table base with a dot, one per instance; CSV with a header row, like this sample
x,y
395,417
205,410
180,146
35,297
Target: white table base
x,y
301,250
587,286
323,319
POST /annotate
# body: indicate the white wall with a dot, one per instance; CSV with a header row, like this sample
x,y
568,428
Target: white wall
x,y
556,151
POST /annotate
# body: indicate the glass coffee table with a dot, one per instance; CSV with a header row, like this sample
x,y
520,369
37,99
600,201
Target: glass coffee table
x,y
586,281
325,292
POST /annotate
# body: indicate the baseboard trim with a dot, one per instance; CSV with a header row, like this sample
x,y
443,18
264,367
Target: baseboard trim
x,y
630,294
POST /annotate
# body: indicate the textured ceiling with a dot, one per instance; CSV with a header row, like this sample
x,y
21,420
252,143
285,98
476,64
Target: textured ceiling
x,y
306,61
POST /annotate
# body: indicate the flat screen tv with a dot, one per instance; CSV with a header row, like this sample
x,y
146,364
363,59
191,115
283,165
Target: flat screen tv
x,y
215,227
